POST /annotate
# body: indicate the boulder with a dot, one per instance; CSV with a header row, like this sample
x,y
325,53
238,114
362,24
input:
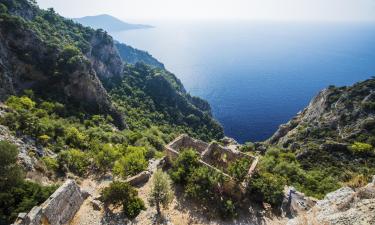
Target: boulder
x,y
295,203
139,179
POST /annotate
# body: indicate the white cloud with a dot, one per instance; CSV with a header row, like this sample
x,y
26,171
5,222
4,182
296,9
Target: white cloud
x,y
301,10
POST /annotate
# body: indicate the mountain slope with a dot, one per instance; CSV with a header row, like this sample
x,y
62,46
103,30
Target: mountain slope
x,y
335,134
56,57
108,23
133,56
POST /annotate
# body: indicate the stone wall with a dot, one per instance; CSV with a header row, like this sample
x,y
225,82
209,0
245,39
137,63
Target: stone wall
x,y
212,155
58,209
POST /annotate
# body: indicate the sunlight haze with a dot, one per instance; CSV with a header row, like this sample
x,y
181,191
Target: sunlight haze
x,y
280,10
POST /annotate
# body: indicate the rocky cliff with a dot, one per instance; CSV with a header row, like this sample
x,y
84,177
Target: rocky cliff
x,y
57,58
341,114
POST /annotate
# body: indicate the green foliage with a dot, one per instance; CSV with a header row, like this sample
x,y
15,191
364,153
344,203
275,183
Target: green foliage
x,y
10,173
132,162
239,169
161,192
121,193
50,163
362,148
268,187
75,160
154,97
16,194
184,165
105,158
204,184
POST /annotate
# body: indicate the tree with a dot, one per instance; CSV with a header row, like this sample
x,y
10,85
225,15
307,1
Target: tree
x,y
10,172
121,193
161,192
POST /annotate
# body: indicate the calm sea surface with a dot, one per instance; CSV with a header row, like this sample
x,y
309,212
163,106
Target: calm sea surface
x,y
257,76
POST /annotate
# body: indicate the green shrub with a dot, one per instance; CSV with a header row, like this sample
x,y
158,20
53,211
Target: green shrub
x,y
50,163
106,157
76,161
184,165
363,148
239,169
132,162
121,193
267,187
16,194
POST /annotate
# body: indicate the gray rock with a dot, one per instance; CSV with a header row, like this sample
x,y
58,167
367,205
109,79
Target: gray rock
x,y
96,205
342,207
295,203
139,179
58,209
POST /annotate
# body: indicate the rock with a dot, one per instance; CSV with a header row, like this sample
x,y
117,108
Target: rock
x,y
228,141
85,194
295,203
139,179
342,207
96,205
58,209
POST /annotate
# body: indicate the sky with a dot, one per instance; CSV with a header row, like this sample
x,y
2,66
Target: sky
x,y
271,10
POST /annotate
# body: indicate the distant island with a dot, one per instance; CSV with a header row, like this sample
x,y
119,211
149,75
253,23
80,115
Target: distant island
x,y
109,23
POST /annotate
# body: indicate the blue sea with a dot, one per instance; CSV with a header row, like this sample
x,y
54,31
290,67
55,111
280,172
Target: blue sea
x,y
257,75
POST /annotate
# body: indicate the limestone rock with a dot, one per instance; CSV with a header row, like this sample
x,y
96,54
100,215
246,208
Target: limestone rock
x,y
295,203
139,179
342,207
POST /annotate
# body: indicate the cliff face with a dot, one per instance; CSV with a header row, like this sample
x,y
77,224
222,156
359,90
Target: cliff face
x,y
344,115
30,60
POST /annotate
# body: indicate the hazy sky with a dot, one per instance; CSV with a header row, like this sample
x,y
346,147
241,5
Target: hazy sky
x,y
139,10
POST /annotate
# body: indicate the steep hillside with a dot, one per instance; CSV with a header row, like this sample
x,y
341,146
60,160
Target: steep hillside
x,y
335,134
56,58
63,61
132,56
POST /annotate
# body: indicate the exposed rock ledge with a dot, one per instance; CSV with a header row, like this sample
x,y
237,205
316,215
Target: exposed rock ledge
x,y
342,207
58,209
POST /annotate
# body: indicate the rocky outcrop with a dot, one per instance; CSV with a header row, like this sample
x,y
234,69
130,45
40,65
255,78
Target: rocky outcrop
x,y
295,203
339,114
59,209
342,207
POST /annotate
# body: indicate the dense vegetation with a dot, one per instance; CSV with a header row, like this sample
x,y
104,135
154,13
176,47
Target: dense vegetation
x,y
151,96
202,184
132,56
77,137
17,195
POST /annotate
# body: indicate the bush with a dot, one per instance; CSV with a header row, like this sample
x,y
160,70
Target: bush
x,y
76,161
204,184
267,187
121,193
50,163
106,157
239,169
363,148
184,165
132,163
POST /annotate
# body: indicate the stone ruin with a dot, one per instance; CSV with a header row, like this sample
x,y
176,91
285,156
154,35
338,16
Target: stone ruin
x,y
212,155
58,209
